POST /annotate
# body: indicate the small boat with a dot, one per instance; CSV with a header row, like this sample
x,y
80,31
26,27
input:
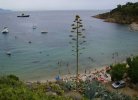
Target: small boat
x,y
5,30
23,15
44,32
8,53
29,42
34,27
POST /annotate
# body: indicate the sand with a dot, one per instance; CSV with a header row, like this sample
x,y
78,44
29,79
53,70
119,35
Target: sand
x,y
95,73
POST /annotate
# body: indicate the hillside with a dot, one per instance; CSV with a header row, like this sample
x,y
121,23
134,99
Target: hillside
x,y
4,10
123,14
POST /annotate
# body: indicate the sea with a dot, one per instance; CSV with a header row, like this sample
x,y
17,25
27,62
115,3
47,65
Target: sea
x,y
50,54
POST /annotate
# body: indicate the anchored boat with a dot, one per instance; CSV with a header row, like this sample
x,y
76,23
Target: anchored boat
x,y
5,30
23,15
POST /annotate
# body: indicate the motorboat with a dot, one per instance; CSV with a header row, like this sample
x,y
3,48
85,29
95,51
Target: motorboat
x,y
23,15
8,53
5,30
44,32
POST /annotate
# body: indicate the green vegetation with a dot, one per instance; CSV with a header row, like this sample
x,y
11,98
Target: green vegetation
x,y
92,91
118,71
133,69
11,88
128,70
124,14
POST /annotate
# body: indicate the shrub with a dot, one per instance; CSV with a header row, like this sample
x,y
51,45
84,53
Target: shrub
x,y
133,69
13,77
11,88
118,71
74,95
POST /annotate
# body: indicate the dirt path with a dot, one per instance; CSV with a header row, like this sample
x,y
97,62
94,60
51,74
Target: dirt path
x,y
126,90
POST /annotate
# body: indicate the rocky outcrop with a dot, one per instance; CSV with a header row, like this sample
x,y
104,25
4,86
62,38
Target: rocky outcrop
x,y
134,26
123,14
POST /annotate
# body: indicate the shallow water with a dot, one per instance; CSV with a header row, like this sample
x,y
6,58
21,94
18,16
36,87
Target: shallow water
x,y
38,60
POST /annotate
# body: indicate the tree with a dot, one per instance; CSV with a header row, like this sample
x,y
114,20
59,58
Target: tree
x,y
119,7
78,39
133,69
117,71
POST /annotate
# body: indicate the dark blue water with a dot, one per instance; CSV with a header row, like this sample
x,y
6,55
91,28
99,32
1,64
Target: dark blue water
x,y
39,59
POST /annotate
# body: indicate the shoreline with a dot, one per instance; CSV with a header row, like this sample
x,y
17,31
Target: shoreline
x,y
94,72
67,76
132,26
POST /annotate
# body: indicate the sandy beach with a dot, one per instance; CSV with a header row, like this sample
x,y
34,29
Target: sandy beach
x,y
95,73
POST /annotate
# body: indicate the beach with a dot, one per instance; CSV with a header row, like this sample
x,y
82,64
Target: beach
x,y
98,74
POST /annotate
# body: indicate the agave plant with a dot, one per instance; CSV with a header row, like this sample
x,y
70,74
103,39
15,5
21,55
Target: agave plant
x,y
77,40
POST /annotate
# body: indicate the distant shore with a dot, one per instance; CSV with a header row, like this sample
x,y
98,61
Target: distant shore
x,y
122,14
133,26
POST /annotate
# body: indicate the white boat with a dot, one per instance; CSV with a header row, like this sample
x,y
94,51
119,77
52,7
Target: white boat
x,y
5,30
8,53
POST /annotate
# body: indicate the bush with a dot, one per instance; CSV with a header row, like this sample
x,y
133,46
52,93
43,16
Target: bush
x,y
95,90
13,77
11,88
68,86
117,71
133,69
74,95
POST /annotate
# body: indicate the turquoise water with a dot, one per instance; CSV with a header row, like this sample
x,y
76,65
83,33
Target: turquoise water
x,y
39,59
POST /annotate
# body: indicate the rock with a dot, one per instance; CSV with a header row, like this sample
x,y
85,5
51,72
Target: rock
x,y
51,93
134,26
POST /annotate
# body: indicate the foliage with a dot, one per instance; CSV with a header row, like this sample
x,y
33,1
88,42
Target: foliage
x,y
68,86
124,14
56,88
129,9
117,71
133,69
96,90
74,95
90,90
11,88
130,69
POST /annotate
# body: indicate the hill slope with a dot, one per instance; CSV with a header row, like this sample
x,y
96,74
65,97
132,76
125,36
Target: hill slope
x,y
4,10
124,14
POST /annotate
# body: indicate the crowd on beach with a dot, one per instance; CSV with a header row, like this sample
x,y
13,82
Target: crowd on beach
x,y
97,74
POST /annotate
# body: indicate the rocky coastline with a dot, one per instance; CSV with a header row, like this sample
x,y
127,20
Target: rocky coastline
x,y
133,26
123,14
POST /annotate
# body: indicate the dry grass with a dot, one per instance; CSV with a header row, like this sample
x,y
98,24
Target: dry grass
x,y
127,91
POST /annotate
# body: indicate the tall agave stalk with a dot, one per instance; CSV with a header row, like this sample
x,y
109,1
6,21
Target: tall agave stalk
x,y
78,40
